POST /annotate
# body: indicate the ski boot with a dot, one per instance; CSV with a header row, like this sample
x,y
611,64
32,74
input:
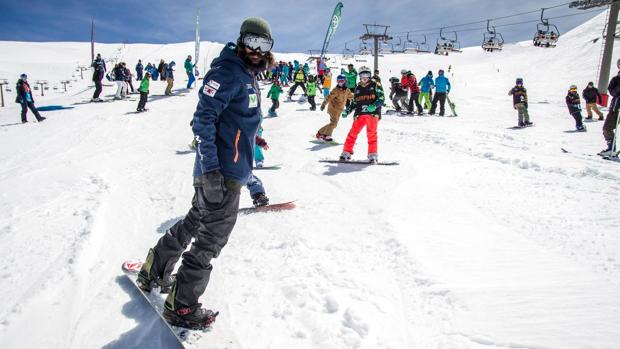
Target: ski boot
x,y
608,151
320,136
272,113
373,158
581,128
260,199
259,164
345,156
528,124
147,280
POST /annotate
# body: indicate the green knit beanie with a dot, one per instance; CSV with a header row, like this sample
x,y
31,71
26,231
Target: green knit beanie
x,y
256,25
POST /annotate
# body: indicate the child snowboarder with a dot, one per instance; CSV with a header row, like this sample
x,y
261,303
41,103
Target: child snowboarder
x,y
144,92
573,103
274,94
367,102
519,102
398,94
300,79
591,96
312,87
337,100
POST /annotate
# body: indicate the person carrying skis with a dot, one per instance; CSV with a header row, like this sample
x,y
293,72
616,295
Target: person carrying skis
x,y
300,79
519,102
426,84
312,87
170,78
367,101
225,124
442,89
274,94
592,96
337,99
139,70
189,69
398,94
26,99
573,102
144,92
610,126
98,74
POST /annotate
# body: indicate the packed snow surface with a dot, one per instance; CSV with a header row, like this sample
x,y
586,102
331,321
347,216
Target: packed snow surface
x,y
483,236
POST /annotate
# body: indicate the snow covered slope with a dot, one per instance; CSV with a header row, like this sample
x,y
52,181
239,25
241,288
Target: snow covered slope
x,y
482,237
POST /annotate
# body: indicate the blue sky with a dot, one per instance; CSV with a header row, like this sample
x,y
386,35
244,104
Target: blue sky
x,y
297,26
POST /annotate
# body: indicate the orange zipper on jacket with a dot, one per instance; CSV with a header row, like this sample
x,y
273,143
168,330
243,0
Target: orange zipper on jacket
x,y
237,145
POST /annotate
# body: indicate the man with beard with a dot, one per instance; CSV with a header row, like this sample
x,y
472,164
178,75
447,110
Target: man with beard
x,y
225,124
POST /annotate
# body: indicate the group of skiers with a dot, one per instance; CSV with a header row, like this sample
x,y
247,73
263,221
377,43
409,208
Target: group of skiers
x,y
420,94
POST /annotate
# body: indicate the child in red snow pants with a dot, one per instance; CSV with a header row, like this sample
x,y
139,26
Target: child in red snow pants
x,y
371,123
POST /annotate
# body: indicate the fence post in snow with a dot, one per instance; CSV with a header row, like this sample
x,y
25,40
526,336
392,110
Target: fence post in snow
x,y
2,83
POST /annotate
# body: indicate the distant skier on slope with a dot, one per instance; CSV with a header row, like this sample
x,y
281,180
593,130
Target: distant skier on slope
x,y
398,94
519,102
367,101
610,126
98,74
274,94
224,124
442,89
144,92
408,80
189,70
426,85
573,102
312,89
26,99
336,100
299,79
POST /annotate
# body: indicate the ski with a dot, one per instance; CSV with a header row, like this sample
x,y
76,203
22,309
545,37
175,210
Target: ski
x,y
283,206
360,162
452,106
185,336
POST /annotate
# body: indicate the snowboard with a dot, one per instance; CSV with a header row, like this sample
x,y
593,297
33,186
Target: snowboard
x,y
452,106
359,162
272,167
520,127
283,206
185,336
399,112
329,143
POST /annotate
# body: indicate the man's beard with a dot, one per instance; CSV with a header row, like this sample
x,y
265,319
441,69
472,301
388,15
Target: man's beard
x,y
266,60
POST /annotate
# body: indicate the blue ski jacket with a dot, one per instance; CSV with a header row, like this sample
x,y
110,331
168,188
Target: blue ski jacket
x,y
442,84
227,118
426,83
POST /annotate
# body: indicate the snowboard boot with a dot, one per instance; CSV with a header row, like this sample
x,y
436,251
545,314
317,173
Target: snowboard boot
x,y
373,158
328,139
319,136
148,278
260,199
194,317
345,156
259,164
581,128
608,151
527,123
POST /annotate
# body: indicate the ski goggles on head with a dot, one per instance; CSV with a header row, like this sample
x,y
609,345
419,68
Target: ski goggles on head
x,y
256,42
365,74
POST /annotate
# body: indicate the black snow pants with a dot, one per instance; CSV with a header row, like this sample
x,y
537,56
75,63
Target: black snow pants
x,y
300,84
30,105
98,89
415,99
143,98
441,98
210,225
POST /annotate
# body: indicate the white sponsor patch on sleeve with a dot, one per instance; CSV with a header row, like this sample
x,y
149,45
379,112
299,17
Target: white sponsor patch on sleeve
x,y
209,91
214,84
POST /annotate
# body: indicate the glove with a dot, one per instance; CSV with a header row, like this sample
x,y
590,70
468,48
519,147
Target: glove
x,y
371,108
212,184
344,114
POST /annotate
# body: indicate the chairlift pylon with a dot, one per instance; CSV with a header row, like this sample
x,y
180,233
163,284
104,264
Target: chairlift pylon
x,y
547,34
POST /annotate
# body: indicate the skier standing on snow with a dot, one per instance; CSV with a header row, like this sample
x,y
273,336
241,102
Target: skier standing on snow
x,y
128,76
312,87
337,99
398,94
161,69
121,81
189,69
170,78
26,99
225,124
519,102
408,80
610,126
592,96
144,92
367,101
573,102
442,89
139,70
426,84
98,74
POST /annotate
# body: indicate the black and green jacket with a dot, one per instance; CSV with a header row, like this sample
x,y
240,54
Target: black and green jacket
x,y
365,96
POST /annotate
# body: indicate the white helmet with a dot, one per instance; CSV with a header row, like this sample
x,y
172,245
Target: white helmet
x,y
365,69
403,71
